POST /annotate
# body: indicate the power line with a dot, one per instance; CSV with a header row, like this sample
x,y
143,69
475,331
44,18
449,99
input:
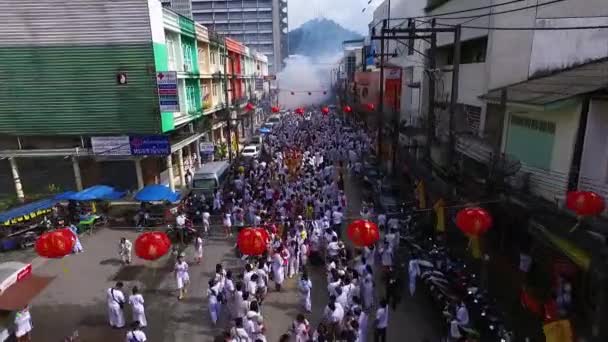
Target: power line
x,y
557,28
461,11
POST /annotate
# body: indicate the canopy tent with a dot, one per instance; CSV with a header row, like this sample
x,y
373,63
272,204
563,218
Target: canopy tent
x,y
97,192
18,286
157,192
31,210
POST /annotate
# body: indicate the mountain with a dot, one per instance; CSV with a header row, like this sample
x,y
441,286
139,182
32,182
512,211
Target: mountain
x,y
318,37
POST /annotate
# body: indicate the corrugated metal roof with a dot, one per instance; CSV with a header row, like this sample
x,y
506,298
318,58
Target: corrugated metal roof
x,y
74,22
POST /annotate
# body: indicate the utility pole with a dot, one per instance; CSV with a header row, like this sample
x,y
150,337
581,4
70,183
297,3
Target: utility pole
x,y
431,107
454,92
380,120
228,111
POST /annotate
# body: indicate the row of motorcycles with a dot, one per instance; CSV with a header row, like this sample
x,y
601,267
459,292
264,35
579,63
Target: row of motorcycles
x,y
454,287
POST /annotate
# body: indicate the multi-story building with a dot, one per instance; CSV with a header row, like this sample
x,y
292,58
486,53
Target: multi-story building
x,y
93,97
260,24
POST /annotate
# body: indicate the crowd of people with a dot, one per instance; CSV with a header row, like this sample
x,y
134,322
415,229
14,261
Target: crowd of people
x,y
296,192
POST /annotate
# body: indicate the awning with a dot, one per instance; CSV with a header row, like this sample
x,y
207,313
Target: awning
x,y
181,141
156,192
576,254
97,192
559,85
30,210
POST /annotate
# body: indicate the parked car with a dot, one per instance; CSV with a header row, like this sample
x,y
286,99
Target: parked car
x,y
251,151
273,120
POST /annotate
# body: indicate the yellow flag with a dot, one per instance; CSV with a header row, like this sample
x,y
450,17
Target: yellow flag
x,y
421,195
475,246
559,331
439,208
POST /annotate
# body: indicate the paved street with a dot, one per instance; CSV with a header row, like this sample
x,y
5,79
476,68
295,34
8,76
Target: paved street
x,y
76,299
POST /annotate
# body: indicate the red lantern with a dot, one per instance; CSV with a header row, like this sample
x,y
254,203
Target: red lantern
x,y
55,244
325,110
152,245
250,106
363,233
585,203
300,111
275,109
347,109
252,241
473,221
370,106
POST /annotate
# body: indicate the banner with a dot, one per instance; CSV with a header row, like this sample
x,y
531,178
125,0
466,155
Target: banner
x,y
439,208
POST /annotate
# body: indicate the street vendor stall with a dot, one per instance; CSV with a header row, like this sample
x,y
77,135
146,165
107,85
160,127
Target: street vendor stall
x,y
154,200
83,208
18,286
22,224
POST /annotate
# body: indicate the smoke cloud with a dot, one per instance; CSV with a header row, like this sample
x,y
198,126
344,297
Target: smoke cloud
x,y
304,74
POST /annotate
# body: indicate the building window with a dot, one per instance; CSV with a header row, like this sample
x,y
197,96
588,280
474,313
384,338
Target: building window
x,y
212,57
473,114
531,141
172,53
533,124
215,90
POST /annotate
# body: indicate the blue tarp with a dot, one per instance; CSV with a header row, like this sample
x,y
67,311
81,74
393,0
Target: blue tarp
x,y
156,192
97,192
32,208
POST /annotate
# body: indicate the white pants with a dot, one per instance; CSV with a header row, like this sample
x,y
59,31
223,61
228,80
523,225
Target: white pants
x,y
294,266
305,301
116,316
125,257
182,280
214,310
139,315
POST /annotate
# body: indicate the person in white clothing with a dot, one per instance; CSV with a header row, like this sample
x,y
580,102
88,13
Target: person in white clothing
x,y
206,221
124,250
23,324
214,295
181,276
115,300
227,223
198,249
304,287
238,332
300,328
278,271
135,334
362,320
381,321
136,300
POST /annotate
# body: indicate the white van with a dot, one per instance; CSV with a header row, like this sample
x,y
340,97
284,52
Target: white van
x,y
210,177
273,120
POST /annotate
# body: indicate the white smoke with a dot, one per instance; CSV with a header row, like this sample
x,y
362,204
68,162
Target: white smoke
x,y
302,75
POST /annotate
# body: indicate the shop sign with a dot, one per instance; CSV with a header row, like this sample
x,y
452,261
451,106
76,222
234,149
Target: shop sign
x,y
111,146
150,145
168,95
207,147
15,277
259,84
270,77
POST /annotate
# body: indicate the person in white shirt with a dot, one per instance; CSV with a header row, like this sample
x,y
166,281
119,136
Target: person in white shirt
x,y
214,295
124,250
381,221
361,317
333,248
181,276
206,221
381,322
386,255
238,332
198,249
23,324
115,300
136,300
227,223
337,217
135,334
304,287
341,297
301,329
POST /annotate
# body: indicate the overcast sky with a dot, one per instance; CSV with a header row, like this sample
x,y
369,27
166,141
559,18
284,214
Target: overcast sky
x,y
345,12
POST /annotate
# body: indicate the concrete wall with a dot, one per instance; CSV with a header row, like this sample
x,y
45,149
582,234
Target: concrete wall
x,y
458,5
594,165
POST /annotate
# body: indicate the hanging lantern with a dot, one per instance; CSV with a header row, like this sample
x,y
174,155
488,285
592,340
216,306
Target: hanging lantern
x,y
363,233
347,109
474,221
249,106
55,244
265,234
325,110
275,109
370,106
585,203
300,111
152,245
252,241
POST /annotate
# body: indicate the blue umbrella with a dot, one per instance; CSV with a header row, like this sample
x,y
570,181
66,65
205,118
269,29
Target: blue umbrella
x,y
157,192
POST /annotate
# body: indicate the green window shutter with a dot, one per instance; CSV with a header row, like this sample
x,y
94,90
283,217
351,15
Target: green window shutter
x,y
531,141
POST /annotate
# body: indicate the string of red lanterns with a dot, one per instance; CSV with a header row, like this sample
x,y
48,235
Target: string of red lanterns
x,y
585,203
253,241
275,109
347,109
55,244
363,233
